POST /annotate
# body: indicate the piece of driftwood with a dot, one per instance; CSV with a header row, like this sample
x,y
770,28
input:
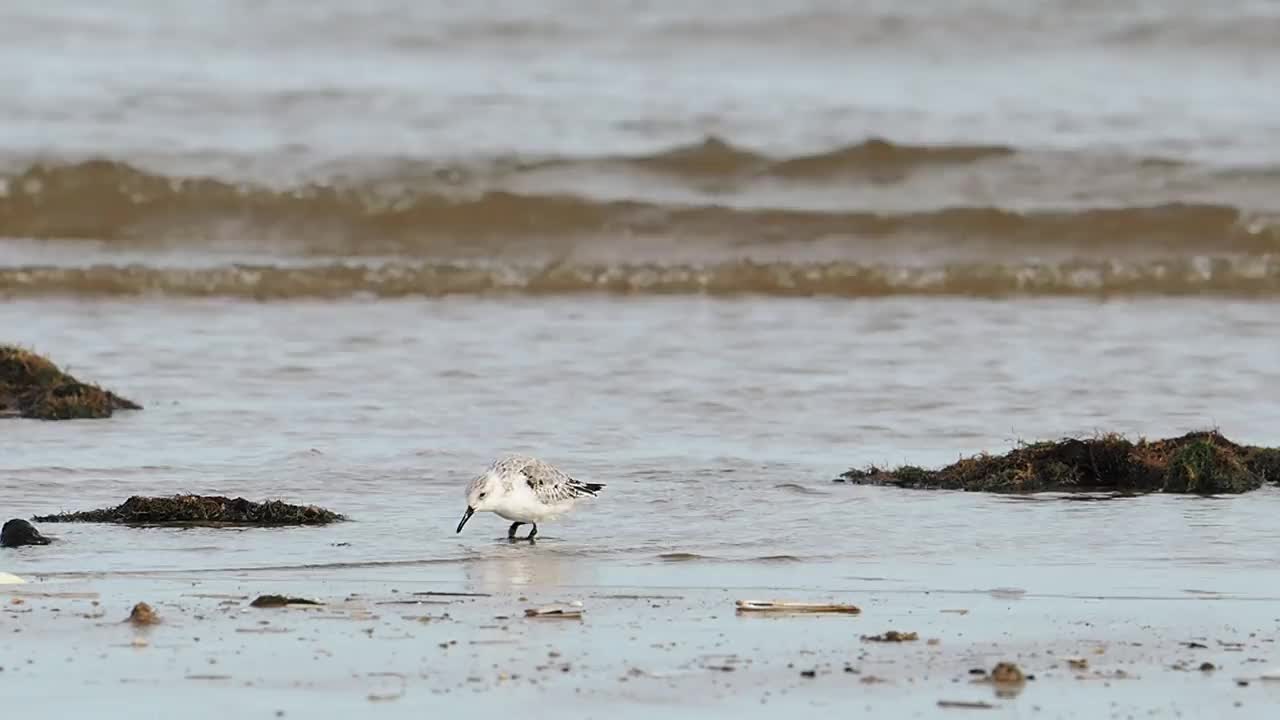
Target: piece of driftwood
x,y
787,606
566,610
274,601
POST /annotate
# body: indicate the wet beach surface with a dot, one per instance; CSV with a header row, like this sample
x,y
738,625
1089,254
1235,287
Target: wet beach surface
x,y
383,647
719,488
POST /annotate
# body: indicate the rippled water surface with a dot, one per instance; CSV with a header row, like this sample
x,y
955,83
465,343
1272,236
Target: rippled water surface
x,y
717,425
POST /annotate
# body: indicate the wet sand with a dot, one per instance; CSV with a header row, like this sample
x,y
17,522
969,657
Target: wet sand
x,y
379,647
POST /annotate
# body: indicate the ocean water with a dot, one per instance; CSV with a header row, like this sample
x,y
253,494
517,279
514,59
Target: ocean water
x,y
274,150
709,254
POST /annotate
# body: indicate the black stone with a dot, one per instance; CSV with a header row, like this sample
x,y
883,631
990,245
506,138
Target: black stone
x,y
20,532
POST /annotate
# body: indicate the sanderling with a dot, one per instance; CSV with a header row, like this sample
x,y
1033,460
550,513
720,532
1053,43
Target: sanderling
x,y
526,491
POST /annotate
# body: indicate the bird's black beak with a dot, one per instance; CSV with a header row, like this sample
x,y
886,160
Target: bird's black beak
x,y
465,517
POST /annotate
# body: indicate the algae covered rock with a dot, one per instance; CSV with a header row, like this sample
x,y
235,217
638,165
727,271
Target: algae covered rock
x,y
1201,462
200,510
33,387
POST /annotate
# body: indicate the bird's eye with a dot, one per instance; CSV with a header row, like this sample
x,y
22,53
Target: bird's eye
x,y
482,496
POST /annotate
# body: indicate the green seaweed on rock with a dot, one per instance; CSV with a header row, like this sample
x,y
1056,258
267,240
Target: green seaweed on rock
x,y
208,510
33,387
1200,463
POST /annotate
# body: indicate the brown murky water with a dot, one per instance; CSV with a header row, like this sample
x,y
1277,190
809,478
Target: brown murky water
x,y
709,254
982,148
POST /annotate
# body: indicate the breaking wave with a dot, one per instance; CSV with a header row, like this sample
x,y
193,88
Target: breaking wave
x,y
127,206
1244,276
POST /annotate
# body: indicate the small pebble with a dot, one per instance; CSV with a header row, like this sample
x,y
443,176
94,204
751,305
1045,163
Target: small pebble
x,y
142,614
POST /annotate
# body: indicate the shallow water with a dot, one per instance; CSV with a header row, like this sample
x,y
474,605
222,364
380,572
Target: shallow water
x,y
717,425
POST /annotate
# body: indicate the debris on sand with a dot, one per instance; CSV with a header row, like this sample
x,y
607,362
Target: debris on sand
x,y
201,510
966,704
387,696
892,636
1006,673
18,532
786,606
1078,663
275,601
1007,679
142,614
569,610
33,387
1199,462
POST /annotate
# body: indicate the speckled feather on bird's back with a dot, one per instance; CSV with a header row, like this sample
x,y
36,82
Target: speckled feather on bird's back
x,y
548,483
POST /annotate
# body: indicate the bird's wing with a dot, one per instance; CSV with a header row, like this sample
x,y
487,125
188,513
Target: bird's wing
x,y
552,486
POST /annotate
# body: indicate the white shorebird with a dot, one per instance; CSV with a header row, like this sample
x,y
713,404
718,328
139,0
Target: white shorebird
x,y
526,491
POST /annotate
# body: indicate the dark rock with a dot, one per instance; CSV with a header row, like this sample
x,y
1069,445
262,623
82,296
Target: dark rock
x,y
20,532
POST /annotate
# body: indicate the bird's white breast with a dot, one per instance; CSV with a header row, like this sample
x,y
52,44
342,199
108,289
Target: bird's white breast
x,y
523,506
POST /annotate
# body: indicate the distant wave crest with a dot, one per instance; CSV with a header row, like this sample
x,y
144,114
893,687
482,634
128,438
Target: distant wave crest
x,y
1245,276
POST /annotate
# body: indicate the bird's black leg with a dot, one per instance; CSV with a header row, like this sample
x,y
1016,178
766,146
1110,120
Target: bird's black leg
x,y
511,533
534,531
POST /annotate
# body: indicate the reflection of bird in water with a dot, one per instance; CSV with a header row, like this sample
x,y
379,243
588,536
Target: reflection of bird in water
x,y
517,567
524,490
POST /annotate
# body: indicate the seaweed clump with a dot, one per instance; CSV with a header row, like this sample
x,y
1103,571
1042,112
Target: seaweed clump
x,y
201,510
33,387
1199,463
